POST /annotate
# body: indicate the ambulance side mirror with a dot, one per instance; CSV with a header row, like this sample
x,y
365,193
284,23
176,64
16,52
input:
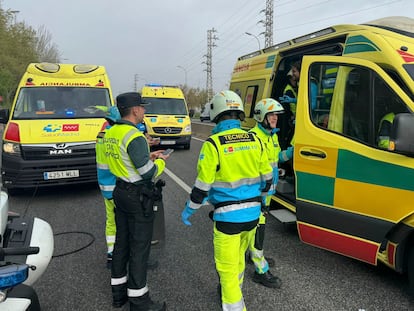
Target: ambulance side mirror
x,y
402,134
4,115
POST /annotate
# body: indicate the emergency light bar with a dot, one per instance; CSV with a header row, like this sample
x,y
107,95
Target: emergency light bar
x,y
84,68
159,85
313,35
48,67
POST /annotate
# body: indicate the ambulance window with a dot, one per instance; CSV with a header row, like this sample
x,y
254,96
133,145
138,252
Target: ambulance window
x,y
386,105
343,100
410,70
356,119
359,101
322,83
250,100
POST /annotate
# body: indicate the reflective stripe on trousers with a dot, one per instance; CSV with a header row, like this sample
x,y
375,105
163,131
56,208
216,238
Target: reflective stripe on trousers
x,y
229,256
257,255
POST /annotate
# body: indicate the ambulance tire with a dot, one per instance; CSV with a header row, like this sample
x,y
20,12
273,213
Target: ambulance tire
x,y
410,270
187,146
14,192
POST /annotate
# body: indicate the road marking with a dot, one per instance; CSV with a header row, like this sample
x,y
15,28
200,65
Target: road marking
x,y
199,139
178,180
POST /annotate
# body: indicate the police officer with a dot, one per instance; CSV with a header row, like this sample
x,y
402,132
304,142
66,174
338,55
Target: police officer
x,y
266,114
231,167
130,160
106,181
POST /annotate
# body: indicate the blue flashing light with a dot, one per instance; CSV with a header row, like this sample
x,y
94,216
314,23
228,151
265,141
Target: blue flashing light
x,y
154,85
69,113
12,275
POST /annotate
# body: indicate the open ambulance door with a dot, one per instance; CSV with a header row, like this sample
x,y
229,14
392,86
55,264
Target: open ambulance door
x,y
349,192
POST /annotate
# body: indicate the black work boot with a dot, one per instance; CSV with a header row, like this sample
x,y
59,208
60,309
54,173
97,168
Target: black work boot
x,y
119,295
267,279
144,303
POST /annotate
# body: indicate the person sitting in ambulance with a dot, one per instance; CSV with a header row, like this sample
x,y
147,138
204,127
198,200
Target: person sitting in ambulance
x,y
285,99
291,90
385,130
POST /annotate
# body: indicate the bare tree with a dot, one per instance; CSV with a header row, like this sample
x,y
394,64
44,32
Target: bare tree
x,y
46,49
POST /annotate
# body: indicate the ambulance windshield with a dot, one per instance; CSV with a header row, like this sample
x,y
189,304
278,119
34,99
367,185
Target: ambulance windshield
x,y
61,103
165,106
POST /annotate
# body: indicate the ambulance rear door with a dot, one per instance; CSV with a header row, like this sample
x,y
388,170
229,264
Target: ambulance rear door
x,y
349,191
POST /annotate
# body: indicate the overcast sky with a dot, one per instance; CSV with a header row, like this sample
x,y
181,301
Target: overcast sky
x,y
150,39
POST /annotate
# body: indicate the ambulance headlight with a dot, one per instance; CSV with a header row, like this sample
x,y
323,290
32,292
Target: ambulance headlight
x,y
187,129
12,275
11,148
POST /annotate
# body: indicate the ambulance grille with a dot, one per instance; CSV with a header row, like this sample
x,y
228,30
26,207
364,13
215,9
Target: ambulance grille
x,y
167,130
55,152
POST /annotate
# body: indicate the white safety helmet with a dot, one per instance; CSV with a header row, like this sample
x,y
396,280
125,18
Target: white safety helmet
x,y
226,101
265,106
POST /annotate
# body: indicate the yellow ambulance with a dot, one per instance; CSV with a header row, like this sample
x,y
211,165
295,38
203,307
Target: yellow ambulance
x,y
166,115
345,192
50,133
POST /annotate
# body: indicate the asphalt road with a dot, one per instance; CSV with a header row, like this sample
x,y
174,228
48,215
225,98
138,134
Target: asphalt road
x,y
313,279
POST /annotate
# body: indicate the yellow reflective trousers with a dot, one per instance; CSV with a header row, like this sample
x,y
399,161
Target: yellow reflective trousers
x,y
230,266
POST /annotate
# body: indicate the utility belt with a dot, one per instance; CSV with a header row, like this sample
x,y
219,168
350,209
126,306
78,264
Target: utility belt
x,y
122,184
221,204
148,193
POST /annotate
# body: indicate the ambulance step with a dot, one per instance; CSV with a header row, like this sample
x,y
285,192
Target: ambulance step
x,y
284,216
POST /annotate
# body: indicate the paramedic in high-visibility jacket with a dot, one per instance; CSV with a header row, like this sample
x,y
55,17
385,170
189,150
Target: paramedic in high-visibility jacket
x,y
233,174
106,181
266,114
129,159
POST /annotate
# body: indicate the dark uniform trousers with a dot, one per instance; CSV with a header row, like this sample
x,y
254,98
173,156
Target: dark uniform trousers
x,y
132,244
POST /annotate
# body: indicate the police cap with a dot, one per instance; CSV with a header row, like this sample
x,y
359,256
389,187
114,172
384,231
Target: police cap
x,y
130,99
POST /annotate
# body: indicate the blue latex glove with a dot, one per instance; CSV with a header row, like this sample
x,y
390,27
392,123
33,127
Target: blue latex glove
x,y
186,213
289,152
287,100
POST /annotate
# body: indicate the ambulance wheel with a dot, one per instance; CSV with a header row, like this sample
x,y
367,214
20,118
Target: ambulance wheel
x,y
410,271
187,146
14,191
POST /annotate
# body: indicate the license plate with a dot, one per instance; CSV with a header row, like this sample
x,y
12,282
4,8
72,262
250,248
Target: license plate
x,y
167,142
61,174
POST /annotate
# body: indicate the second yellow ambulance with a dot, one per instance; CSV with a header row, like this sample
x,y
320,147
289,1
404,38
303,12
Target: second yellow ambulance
x,y
166,115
